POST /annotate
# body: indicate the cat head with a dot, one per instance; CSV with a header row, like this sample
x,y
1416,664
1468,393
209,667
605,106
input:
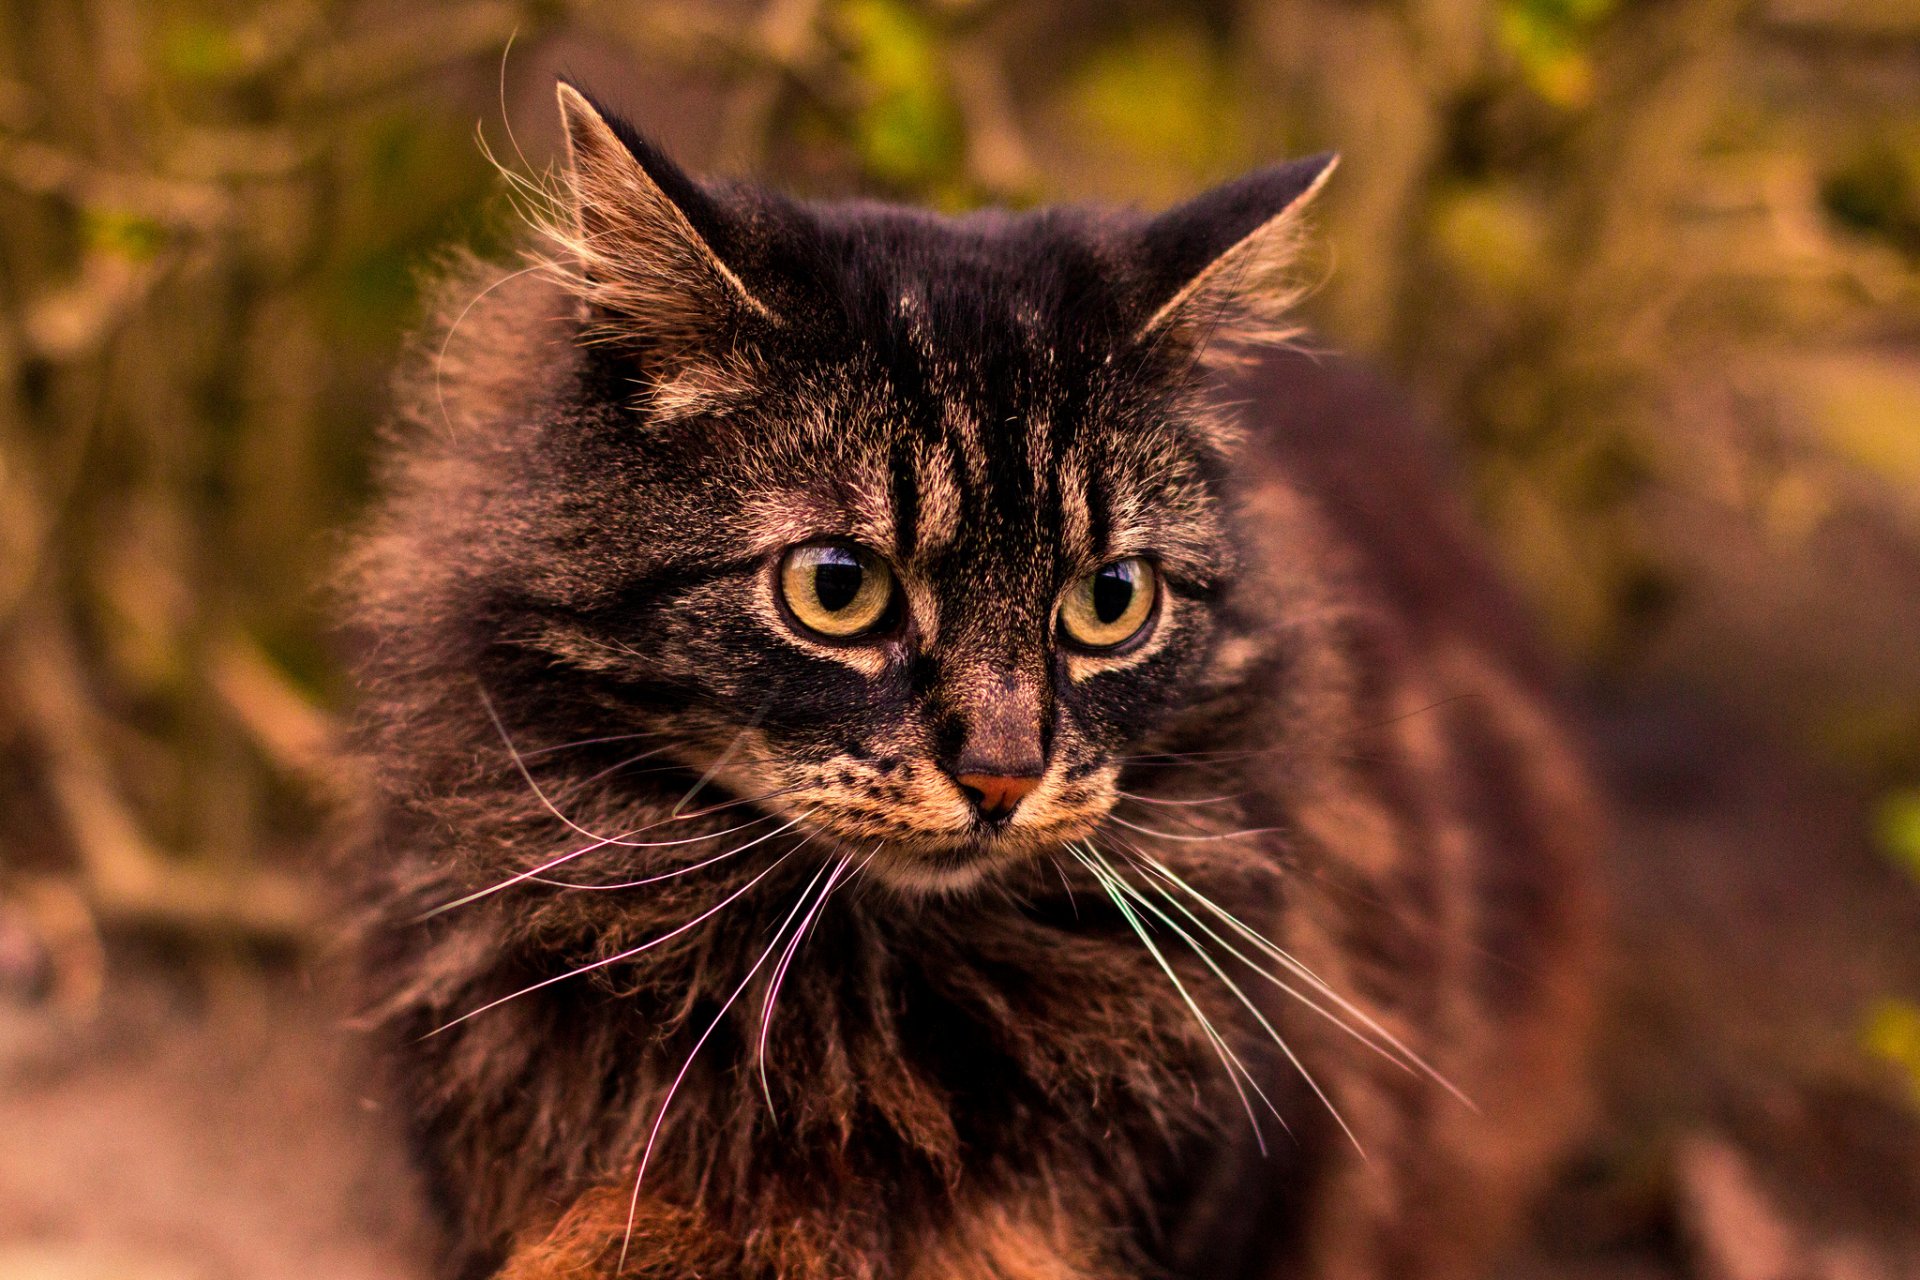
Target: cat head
x,y
913,526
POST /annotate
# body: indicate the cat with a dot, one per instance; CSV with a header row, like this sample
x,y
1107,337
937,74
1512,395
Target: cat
x,y
918,746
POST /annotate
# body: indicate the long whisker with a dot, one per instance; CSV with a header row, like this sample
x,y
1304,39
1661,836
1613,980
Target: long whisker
x,y
500,727
593,742
780,972
624,955
690,867
599,843
1228,1058
1384,1049
1174,835
720,760
546,802
1232,986
1177,804
1293,965
633,1207
439,386
610,770
1064,884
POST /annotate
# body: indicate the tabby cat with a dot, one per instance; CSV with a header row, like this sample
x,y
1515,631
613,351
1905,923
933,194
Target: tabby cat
x,y
931,747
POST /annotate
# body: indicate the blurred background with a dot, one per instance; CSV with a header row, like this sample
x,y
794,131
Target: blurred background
x,y
1652,267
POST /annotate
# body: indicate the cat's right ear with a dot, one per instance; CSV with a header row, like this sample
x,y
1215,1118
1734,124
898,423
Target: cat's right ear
x,y
645,242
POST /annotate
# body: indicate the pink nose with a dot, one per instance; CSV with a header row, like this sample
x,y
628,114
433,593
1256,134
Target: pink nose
x,y
994,795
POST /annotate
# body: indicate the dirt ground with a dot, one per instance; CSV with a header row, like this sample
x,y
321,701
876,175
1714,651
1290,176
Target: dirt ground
x,y
210,1119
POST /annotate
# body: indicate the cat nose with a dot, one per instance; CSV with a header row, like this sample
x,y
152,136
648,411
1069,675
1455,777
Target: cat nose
x,y
996,795
1002,748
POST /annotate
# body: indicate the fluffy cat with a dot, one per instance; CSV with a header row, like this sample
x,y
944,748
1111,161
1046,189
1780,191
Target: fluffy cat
x,y
917,746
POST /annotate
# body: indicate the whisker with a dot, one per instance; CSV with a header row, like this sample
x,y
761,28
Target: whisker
x,y
633,1207
1384,1049
593,742
1207,839
1228,1058
1235,988
520,764
724,805
624,955
602,843
780,972
439,385
500,727
690,867
720,760
612,769
1179,804
1407,1056
1071,900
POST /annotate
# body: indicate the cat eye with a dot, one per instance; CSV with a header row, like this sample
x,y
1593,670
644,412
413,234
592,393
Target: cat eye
x,y
1111,605
835,590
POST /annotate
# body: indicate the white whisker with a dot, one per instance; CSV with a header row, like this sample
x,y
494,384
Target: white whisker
x,y
690,867
536,873
633,1206
624,955
1174,835
1177,804
593,742
1235,988
720,760
1388,1040
546,802
1228,1058
780,972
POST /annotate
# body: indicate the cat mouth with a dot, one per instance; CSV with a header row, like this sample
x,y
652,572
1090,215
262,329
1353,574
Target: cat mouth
x,y
941,870
953,862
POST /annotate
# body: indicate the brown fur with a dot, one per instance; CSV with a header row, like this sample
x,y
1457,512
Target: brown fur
x,y
1333,727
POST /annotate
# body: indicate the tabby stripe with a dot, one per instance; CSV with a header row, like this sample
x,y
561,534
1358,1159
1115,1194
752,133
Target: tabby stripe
x,y
906,497
1099,513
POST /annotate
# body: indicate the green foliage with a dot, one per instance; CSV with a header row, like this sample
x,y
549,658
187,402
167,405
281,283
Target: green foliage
x,y
1162,100
199,48
123,233
1552,41
907,129
420,186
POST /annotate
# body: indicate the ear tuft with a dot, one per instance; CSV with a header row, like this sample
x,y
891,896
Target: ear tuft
x,y
1223,268
630,245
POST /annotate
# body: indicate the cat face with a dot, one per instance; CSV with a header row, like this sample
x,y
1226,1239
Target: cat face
x,y
911,527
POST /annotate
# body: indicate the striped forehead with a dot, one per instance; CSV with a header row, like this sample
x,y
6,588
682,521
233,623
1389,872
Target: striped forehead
x,y
1012,489
975,433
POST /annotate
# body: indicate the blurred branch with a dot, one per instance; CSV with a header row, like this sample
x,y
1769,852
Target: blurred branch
x,y
296,735
44,170
124,877
782,46
77,319
397,52
997,150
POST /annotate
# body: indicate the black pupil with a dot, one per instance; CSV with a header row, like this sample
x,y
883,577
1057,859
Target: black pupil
x,y
836,579
1112,592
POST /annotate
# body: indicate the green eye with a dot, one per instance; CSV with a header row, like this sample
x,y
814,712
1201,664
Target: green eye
x,y
835,589
1111,605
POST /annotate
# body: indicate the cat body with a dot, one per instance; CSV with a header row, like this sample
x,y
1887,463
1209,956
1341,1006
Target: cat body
x,y
1184,816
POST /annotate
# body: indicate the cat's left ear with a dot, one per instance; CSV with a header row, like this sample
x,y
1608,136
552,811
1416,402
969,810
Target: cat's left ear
x,y
648,244
1221,270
